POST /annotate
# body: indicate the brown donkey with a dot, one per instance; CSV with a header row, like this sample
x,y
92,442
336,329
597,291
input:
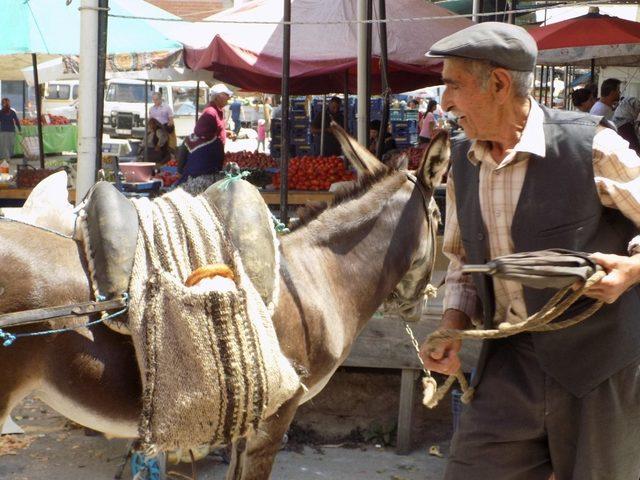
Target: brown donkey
x,y
374,244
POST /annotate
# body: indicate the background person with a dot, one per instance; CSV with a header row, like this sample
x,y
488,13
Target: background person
x,y
267,111
157,143
262,135
428,123
528,178
374,131
164,115
236,112
583,99
8,123
332,114
205,146
609,96
625,118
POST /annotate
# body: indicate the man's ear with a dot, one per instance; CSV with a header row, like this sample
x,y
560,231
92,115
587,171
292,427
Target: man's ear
x,y
501,84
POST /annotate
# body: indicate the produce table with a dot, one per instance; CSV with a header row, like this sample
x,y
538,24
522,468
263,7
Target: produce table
x,y
23,193
56,138
297,197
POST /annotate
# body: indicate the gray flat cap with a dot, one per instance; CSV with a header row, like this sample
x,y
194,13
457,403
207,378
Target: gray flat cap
x,y
502,44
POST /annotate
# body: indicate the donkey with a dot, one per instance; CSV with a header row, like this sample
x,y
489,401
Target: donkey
x,y
374,244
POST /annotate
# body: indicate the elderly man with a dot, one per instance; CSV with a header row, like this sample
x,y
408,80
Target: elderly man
x,y
527,178
164,116
205,146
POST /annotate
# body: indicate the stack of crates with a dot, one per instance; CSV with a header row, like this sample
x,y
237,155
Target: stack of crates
x,y
275,147
404,127
299,127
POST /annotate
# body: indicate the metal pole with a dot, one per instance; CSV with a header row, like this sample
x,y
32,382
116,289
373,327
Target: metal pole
x,y
24,99
553,73
593,71
103,21
146,118
197,99
323,122
475,10
540,90
362,73
384,77
369,38
284,148
87,110
345,117
34,61
566,87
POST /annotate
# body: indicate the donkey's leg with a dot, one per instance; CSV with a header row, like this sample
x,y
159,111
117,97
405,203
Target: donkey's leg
x,y
11,394
252,459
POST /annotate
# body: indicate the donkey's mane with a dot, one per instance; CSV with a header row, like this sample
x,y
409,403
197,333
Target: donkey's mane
x,y
312,211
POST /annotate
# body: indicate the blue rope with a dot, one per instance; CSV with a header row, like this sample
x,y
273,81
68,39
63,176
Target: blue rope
x,y
232,177
9,338
280,227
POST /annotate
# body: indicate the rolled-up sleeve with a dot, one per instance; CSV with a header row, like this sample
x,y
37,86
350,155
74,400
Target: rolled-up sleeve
x,y
616,169
460,291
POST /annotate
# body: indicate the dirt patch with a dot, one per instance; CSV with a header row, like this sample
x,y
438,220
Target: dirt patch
x,y
360,406
13,444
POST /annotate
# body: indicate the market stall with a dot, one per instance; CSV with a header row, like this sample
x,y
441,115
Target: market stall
x,y
56,138
254,62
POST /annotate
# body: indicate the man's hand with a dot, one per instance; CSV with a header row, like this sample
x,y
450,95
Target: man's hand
x,y
443,357
621,274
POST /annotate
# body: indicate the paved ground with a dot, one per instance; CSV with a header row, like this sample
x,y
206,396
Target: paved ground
x,y
52,449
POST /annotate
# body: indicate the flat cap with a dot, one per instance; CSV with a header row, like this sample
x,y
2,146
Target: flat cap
x,y
502,44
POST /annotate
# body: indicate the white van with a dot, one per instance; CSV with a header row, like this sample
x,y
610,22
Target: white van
x,y
61,98
124,105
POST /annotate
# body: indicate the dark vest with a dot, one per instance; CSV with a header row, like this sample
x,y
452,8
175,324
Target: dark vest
x,y
558,207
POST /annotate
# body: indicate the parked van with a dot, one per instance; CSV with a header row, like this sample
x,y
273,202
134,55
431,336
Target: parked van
x,y
124,105
61,98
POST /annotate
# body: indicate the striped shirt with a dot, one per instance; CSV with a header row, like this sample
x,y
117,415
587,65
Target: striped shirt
x,y
617,177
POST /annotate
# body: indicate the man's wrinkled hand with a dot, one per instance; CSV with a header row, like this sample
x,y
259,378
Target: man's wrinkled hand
x,y
443,356
621,274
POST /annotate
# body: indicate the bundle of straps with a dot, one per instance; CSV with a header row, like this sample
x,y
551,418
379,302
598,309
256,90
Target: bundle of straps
x,y
210,361
551,268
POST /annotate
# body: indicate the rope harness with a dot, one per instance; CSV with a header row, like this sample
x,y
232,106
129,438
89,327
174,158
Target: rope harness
x,y
538,322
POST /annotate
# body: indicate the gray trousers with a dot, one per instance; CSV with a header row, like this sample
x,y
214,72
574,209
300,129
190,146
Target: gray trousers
x,y
523,425
7,142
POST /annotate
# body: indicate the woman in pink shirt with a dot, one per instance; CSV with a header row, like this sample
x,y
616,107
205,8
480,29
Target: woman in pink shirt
x,y
428,123
205,146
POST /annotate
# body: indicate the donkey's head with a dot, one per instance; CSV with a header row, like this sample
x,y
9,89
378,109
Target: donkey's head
x,y
407,298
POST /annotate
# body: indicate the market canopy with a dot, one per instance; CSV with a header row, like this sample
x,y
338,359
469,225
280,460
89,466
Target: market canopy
x,y
155,66
323,47
52,28
577,41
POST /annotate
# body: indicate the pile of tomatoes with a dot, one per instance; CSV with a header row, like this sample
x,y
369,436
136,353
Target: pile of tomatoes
x,y
315,173
250,160
169,175
47,120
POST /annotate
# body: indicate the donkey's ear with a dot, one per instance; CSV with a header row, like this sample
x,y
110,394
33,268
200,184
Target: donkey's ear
x,y
435,160
362,159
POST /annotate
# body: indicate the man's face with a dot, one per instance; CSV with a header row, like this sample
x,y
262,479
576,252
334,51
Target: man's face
x,y
5,103
615,95
157,100
334,107
465,98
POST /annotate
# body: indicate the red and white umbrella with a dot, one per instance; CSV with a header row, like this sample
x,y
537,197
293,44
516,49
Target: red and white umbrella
x,y
594,37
